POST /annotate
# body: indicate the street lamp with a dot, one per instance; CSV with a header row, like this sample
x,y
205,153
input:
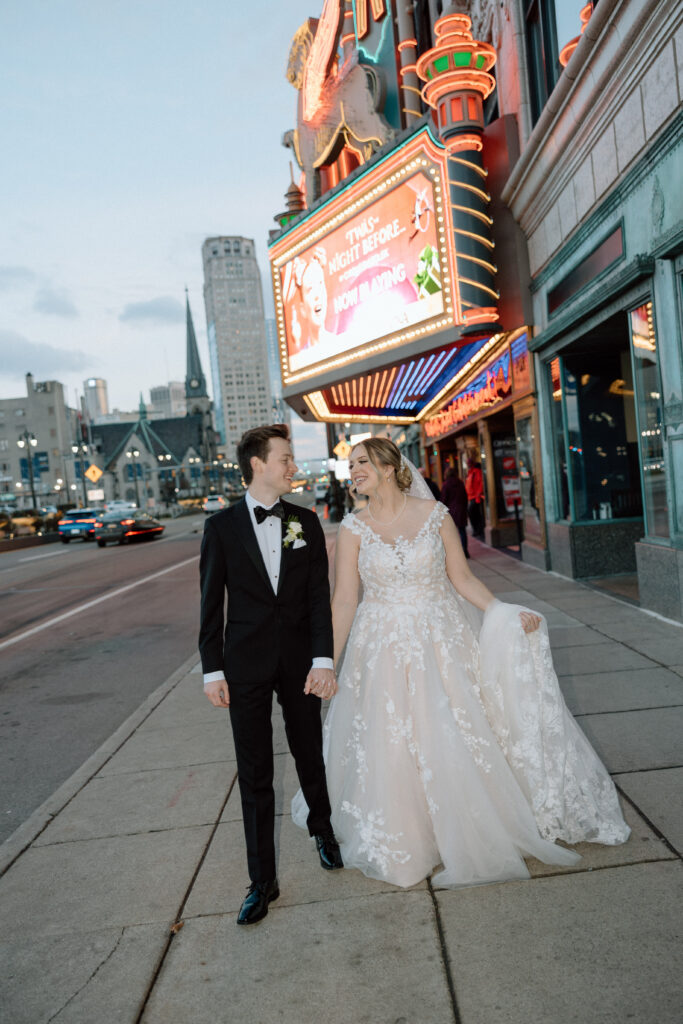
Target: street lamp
x,y
28,441
193,460
134,454
80,449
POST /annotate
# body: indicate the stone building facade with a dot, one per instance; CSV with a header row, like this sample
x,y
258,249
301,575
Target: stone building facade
x,y
597,193
42,413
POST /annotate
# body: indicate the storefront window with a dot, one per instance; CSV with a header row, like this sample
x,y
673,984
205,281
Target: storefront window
x,y
561,481
601,429
527,479
649,402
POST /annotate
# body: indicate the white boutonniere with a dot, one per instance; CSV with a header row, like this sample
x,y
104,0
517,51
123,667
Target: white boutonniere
x,y
294,533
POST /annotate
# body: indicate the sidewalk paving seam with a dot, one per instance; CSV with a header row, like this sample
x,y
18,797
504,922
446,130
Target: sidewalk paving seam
x,y
535,879
551,574
178,918
127,835
278,908
445,959
650,824
164,768
623,711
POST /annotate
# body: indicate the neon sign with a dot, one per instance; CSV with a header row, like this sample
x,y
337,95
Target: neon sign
x,y
508,372
362,20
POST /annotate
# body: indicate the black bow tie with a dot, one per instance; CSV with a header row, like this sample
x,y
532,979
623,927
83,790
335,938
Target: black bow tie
x,y
262,513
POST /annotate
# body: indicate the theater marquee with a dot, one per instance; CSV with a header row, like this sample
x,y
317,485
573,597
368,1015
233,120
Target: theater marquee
x,y
370,269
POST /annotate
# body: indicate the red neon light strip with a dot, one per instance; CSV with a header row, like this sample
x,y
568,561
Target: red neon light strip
x,y
378,376
353,391
383,398
483,287
406,44
348,37
471,165
475,213
348,393
478,238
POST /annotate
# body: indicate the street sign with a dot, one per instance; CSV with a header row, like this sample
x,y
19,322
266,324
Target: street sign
x,y
343,450
93,473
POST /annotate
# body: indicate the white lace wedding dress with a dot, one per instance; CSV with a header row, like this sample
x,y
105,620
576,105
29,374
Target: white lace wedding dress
x,y
442,748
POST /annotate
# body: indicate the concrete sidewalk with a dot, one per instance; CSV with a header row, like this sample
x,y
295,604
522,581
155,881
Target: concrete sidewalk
x,y
147,836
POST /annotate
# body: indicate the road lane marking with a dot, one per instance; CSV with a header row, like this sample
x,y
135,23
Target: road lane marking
x,y
91,604
48,554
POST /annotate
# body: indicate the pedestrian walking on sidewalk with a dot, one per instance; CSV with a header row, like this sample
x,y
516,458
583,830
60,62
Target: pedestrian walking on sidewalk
x,y
454,497
474,485
270,557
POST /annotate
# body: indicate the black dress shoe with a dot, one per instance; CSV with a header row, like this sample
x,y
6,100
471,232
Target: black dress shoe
x,y
255,906
328,850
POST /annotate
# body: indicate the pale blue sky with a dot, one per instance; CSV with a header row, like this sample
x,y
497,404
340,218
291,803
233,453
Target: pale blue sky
x,y
132,130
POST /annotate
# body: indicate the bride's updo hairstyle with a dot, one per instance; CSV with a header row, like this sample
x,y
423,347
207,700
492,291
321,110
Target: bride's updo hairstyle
x,y
383,452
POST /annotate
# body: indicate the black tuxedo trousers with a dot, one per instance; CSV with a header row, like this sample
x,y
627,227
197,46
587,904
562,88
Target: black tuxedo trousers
x,y
265,646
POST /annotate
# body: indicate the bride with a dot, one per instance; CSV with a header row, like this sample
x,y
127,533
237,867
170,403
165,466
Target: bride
x,y
448,742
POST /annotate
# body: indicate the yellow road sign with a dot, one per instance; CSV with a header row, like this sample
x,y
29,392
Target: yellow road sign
x,y
93,473
343,450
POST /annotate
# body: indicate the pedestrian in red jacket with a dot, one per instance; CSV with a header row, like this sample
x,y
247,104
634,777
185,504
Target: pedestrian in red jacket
x,y
474,485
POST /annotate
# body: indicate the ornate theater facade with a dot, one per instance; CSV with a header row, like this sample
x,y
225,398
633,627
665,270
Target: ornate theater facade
x,y
429,262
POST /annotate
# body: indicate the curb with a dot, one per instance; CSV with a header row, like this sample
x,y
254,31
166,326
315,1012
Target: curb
x,y
29,830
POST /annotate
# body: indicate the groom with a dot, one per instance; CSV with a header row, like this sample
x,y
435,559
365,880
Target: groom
x,y
270,557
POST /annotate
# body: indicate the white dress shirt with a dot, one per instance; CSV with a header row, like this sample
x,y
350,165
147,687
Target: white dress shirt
x,y
269,538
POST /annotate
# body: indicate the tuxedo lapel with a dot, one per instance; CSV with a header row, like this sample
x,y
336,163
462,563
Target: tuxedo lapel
x,y
245,532
290,510
284,557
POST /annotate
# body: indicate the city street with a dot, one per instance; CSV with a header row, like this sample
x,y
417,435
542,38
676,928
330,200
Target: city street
x,y
85,635
67,685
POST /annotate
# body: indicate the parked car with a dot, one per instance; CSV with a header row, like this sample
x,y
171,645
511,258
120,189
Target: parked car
x,y
214,503
126,526
78,523
319,491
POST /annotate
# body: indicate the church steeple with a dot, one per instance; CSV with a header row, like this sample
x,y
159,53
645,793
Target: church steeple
x,y
195,382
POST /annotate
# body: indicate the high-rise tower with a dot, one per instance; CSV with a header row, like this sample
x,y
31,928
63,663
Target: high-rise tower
x,y
237,337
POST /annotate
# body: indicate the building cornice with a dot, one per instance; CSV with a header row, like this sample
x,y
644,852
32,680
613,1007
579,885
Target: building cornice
x,y
615,49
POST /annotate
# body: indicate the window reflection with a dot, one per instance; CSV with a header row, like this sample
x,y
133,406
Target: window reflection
x,y
649,398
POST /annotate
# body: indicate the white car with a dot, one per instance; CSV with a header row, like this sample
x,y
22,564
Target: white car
x,y
319,491
119,505
214,503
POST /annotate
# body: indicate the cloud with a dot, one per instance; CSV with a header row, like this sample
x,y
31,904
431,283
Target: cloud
x,y
15,277
164,310
54,302
20,356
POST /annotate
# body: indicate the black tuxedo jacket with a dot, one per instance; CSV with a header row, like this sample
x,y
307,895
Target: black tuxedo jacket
x,y
265,632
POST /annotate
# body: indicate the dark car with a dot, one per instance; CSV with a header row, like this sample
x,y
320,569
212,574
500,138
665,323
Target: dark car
x,y
78,523
123,526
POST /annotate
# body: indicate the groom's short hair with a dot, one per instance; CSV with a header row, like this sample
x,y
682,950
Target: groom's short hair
x,y
256,442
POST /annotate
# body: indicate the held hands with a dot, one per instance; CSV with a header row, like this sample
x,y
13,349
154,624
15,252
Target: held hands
x,y
218,693
321,682
530,622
